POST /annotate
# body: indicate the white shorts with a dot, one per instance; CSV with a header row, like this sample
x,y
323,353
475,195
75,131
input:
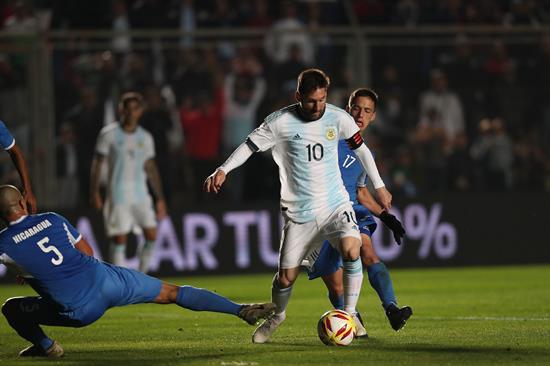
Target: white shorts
x,y
122,218
300,240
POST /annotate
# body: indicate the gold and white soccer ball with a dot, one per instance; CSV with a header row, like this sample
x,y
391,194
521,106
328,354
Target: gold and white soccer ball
x,y
336,328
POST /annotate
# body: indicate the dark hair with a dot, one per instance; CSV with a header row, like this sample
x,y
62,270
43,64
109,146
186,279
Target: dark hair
x,y
128,97
312,79
363,92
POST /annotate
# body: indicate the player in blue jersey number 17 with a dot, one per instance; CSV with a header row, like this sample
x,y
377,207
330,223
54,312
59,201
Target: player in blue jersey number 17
x,y
75,288
326,262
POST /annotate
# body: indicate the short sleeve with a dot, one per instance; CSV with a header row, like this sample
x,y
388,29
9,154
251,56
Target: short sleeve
x,y
102,144
72,234
347,126
149,146
6,139
262,137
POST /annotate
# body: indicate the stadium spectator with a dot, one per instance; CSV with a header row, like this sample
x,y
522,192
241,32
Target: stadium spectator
x,y
157,120
187,22
201,115
260,16
121,43
442,106
22,20
286,32
66,163
244,89
87,119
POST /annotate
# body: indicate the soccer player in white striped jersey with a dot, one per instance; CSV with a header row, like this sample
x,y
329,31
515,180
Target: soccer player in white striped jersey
x,y
314,202
130,154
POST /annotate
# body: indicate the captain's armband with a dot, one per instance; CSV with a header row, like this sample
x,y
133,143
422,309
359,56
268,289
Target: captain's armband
x,y
355,141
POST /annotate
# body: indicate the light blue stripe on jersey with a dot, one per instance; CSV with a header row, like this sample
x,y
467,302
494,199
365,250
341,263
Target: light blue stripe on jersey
x,y
117,188
139,165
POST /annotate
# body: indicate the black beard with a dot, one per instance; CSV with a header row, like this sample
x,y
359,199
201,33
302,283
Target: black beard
x,y
307,117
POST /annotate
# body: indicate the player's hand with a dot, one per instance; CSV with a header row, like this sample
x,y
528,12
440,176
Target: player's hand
x,y
30,200
96,200
161,209
384,197
394,225
214,181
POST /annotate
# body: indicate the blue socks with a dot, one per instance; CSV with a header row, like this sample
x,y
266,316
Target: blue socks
x,y
380,280
336,301
199,299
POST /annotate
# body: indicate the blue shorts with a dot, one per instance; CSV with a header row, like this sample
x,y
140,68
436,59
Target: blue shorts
x,y
329,259
119,286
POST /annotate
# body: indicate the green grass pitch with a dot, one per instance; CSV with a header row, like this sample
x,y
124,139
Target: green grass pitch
x,y
462,316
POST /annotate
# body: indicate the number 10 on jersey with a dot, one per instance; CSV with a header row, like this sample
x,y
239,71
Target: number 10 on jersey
x,y
315,151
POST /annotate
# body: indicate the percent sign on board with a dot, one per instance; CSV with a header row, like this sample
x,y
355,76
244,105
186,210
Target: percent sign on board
x,y
441,237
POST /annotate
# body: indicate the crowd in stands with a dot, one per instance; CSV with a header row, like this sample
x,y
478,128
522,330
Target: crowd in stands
x,y
464,117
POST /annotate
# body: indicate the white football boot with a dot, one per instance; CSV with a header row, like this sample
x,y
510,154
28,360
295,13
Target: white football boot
x,y
359,328
266,329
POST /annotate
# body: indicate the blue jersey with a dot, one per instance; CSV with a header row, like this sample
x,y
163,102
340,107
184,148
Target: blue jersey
x,y
43,245
350,169
6,139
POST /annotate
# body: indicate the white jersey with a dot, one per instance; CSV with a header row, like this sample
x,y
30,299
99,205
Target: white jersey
x,y
307,155
126,154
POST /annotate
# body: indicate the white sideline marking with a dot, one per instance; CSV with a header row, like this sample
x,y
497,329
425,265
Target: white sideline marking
x,y
478,318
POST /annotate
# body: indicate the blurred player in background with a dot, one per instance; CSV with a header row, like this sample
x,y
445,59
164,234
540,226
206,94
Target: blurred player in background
x,y
327,262
314,202
75,288
130,154
7,142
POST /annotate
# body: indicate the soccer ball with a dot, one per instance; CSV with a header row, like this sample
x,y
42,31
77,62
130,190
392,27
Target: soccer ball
x,y
336,328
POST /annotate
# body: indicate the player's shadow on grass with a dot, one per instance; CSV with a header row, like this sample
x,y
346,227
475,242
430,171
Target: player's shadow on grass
x,y
117,358
450,349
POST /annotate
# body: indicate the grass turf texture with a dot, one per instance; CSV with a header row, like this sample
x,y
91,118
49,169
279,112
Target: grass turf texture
x,y
464,316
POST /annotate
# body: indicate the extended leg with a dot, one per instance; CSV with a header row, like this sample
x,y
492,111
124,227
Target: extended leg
x,y
199,299
380,280
281,290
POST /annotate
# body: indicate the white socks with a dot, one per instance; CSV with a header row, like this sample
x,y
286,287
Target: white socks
x,y
118,254
353,280
145,254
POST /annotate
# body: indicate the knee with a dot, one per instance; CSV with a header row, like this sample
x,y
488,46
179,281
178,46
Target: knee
x,y
350,248
285,280
350,253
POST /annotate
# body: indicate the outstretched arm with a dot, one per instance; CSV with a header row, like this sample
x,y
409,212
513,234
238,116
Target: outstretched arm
x,y
365,156
19,161
95,195
214,182
155,182
366,199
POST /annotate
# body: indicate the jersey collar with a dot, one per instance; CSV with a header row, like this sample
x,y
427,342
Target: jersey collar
x,y
18,220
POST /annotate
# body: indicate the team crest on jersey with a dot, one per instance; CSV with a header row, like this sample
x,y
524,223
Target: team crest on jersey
x,y
331,133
